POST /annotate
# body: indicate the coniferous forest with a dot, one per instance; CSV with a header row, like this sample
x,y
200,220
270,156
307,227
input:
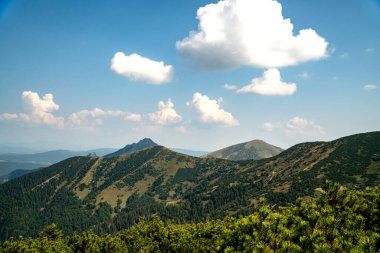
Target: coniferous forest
x,y
338,220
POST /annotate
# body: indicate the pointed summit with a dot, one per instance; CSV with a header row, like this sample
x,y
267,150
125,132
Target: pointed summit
x,y
147,141
130,148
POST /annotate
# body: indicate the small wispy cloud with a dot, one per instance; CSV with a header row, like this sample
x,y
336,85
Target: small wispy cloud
x,y
229,87
90,119
267,126
295,126
370,87
369,50
8,116
298,125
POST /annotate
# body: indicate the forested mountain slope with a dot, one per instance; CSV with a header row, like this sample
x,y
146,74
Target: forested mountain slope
x,y
109,194
338,220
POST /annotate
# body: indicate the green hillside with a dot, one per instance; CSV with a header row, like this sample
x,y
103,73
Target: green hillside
x,y
339,220
111,194
256,150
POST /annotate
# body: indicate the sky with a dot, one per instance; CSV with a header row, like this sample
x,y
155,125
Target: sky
x,y
192,74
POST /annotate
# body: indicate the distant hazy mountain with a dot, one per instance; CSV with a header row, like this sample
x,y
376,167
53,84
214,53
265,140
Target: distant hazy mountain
x,y
142,144
109,194
101,151
256,150
16,150
7,167
51,157
11,162
190,152
14,174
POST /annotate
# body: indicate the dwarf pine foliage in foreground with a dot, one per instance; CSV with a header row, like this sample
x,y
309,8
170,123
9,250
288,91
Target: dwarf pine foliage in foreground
x,y
339,220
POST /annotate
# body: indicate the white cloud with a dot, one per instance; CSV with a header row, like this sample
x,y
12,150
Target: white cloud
x,y
39,111
269,84
268,126
8,116
165,115
229,87
296,126
232,33
46,104
369,50
136,67
370,87
210,112
133,117
95,117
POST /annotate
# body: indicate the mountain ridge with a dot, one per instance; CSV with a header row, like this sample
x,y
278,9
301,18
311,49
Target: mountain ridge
x,y
109,194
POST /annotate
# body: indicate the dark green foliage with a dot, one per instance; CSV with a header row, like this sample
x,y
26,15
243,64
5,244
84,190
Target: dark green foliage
x,y
339,220
31,202
51,232
186,174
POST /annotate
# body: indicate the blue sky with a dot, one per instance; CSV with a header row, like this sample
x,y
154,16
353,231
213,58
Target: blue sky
x,y
67,48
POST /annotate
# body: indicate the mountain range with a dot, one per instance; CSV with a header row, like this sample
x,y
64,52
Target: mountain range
x,y
52,156
111,193
13,165
196,153
10,162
